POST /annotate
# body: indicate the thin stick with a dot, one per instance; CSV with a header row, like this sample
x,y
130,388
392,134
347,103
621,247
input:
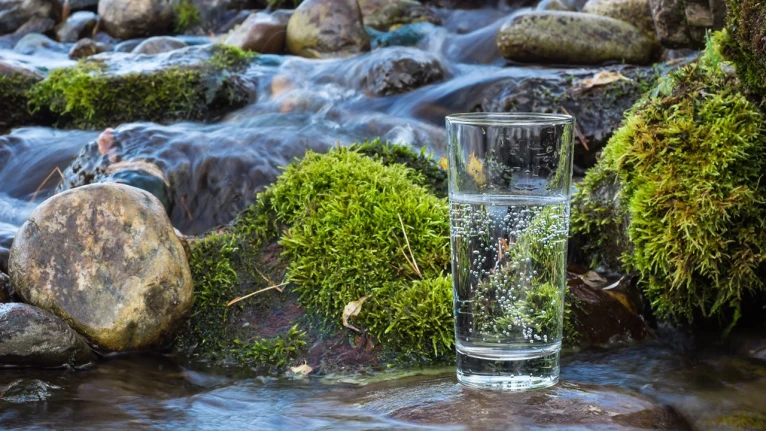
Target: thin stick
x,y
417,270
183,202
55,169
277,287
263,276
578,131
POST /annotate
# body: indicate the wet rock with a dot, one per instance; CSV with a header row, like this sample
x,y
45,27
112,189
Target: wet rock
x,y
128,45
34,43
636,12
86,48
327,29
406,35
126,19
106,259
78,25
398,70
15,80
14,13
26,391
386,14
75,5
32,337
440,401
682,24
605,316
572,38
6,290
232,22
159,44
261,33
554,5
599,109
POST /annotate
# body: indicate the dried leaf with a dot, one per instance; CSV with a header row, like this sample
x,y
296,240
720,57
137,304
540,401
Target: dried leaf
x,y
302,370
601,78
352,309
476,169
593,279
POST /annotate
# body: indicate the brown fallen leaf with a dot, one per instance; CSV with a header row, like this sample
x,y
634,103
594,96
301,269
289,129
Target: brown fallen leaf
x,y
352,309
302,370
601,78
593,279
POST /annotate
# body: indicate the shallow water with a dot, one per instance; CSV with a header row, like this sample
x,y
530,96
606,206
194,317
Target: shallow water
x,y
621,389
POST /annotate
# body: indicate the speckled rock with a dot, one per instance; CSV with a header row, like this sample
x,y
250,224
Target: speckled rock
x,y
397,70
159,44
14,13
385,14
31,337
126,19
554,5
78,25
636,12
106,259
86,48
260,32
572,38
327,29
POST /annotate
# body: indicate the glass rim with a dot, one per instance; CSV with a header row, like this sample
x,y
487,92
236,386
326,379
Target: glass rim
x,y
509,119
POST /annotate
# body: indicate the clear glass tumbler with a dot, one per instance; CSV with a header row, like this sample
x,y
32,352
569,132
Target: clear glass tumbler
x,y
510,176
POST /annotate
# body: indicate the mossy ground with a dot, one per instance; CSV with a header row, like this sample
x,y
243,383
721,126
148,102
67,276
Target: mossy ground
x,y
689,160
85,96
330,227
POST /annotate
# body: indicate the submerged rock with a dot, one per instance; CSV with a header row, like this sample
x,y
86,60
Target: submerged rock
x,y
86,48
261,33
126,19
327,29
397,70
572,38
159,44
14,13
26,391
32,337
78,25
386,14
106,259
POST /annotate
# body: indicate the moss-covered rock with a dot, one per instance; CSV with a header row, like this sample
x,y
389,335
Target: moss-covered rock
x,y
689,160
15,82
195,83
744,42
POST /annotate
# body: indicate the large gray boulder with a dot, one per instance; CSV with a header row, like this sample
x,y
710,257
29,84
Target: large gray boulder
x,y
14,13
126,19
572,38
327,29
106,259
32,337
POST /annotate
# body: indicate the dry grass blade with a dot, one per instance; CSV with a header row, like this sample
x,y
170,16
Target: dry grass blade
x,y
267,279
578,131
414,263
56,169
276,286
183,202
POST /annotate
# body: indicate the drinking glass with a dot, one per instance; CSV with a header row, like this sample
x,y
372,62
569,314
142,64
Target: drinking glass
x,y
510,176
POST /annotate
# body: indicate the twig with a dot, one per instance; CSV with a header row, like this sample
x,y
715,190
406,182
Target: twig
x,y
55,169
263,276
578,131
183,202
277,287
414,262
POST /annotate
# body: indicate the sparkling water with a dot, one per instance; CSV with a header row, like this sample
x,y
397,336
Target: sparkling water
x,y
509,262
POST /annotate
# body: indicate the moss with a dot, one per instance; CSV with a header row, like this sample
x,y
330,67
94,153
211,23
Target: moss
x,y
423,163
86,96
689,158
346,241
744,42
185,16
14,99
273,355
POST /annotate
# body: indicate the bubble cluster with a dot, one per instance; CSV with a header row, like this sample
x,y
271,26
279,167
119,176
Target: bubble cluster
x,y
509,269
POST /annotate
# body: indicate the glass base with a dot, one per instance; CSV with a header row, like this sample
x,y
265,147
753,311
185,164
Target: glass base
x,y
516,375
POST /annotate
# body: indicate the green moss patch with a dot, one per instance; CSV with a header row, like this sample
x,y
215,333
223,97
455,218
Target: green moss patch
x,y
14,99
90,96
690,159
744,42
